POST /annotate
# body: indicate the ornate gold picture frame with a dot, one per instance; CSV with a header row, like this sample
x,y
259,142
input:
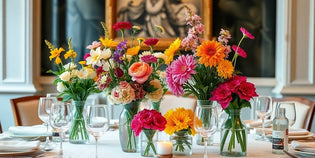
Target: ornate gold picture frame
x,y
111,12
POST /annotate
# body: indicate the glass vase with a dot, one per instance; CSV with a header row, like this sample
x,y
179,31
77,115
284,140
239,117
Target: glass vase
x,y
156,105
128,140
233,135
148,142
78,133
182,143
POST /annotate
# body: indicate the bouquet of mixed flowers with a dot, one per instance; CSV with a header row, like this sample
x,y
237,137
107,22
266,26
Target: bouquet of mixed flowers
x,y
180,122
148,121
73,83
208,74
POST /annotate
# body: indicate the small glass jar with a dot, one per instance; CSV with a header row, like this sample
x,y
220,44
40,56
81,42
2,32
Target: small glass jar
x,y
182,143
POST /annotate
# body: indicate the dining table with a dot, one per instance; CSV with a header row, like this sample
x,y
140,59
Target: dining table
x,y
109,147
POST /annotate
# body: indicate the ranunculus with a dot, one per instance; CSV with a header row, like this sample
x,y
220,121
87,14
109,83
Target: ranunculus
x,y
65,76
246,91
60,87
159,122
235,82
140,71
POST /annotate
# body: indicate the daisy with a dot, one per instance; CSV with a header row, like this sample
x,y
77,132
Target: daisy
x,y
210,53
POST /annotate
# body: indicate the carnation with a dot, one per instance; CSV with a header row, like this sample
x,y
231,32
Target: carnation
x,y
122,25
122,94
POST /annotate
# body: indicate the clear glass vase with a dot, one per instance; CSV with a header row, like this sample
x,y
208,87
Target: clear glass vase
x,y
78,133
182,143
156,105
233,135
128,139
148,143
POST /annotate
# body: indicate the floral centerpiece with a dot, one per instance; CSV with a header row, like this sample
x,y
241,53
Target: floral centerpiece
x,y
180,125
76,83
127,75
148,121
209,75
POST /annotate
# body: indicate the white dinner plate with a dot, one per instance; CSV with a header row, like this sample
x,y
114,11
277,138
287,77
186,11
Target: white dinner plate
x,y
304,153
298,137
27,137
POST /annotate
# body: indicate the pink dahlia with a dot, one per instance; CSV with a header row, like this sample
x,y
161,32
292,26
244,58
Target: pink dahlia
x,y
122,25
182,68
239,51
246,33
176,88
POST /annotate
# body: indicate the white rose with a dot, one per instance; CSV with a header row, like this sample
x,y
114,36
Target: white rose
x,y
70,66
65,76
60,87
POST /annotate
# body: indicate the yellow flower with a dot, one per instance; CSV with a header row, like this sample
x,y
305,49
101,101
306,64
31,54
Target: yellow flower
x,y
160,28
157,94
140,40
55,53
180,119
210,53
82,62
71,54
225,69
136,27
133,51
169,52
109,43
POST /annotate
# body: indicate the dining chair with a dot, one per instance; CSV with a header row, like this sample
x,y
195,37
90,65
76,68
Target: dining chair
x,y
25,110
305,110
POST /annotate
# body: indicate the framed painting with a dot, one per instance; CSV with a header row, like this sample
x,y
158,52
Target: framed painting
x,y
170,14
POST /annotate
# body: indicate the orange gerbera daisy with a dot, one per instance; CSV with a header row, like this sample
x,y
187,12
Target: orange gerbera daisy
x,y
210,53
109,43
133,50
170,51
225,69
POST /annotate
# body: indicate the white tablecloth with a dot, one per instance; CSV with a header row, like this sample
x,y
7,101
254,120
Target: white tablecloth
x,y
109,147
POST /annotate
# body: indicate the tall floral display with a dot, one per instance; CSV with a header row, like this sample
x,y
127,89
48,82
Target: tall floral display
x,y
127,75
204,73
74,82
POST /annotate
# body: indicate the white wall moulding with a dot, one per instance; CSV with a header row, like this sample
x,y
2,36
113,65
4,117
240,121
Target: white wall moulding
x,y
16,46
295,47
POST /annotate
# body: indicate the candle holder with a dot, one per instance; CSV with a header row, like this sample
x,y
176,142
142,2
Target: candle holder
x,y
164,156
164,149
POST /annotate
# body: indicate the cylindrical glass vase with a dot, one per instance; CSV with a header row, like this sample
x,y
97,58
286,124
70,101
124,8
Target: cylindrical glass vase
x,y
127,137
78,133
182,143
148,142
233,135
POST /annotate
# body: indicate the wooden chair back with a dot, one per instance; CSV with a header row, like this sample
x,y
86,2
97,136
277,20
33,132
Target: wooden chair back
x,y
25,110
304,111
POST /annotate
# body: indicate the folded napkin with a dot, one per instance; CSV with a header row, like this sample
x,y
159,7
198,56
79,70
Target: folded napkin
x,y
37,130
298,132
303,146
257,123
10,146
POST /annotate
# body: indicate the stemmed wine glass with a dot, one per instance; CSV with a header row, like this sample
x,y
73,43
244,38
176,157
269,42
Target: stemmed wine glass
x,y
97,121
206,122
263,108
44,107
290,111
60,118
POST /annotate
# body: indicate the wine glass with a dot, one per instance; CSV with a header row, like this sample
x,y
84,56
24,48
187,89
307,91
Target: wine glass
x,y
97,121
263,108
206,122
60,118
290,111
44,107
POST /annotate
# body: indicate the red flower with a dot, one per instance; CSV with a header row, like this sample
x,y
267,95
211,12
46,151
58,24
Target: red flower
x,y
139,92
239,51
118,72
151,41
122,25
246,91
222,94
246,33
235,82
86,56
